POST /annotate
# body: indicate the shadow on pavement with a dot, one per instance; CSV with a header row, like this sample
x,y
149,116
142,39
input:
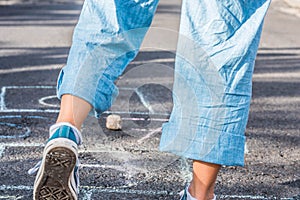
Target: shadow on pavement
x,y
41,14
29,57
53,13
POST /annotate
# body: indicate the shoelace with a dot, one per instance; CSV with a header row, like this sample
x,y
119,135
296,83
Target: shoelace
x,y
34,170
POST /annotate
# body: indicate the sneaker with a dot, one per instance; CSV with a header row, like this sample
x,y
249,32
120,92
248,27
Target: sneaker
x,y
185,195
57,174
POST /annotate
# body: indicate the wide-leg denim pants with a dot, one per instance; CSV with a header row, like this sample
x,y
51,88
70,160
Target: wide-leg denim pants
x,y
218,42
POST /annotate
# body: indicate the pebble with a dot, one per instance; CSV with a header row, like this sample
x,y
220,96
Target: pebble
x,y
114,122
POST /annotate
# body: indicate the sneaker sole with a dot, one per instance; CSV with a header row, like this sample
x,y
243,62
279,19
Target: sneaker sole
x,y
53,183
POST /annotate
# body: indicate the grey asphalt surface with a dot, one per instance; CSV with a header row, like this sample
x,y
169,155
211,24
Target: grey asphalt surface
x,y
35,37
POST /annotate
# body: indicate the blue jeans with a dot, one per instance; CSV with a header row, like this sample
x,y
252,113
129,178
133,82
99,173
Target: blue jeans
x,y
218,42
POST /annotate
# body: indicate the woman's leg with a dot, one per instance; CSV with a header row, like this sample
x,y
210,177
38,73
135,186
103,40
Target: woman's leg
x,y
73,110
204,178
216,50
107,37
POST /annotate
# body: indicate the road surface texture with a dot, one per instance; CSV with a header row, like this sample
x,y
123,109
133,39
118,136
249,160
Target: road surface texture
x,y
35,37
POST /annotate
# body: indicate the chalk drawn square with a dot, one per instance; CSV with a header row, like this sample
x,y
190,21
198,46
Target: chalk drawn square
x,y
31,98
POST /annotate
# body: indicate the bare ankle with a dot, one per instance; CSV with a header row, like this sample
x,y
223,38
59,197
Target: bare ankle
x,y
68,121
201,192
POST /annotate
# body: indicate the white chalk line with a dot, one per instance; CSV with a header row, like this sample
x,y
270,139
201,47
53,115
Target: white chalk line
x,y
43,99
2,149
142,129
30,87
135,113
49,87
36,117
29,111
147,136
143,119
87,191
127,88
20,116
246,149
93,189
18,144
242,197
4,109
126,191
157,60
2,101
57,111
3,146
10,116
99,150
15,187
11,197
115,167
144,101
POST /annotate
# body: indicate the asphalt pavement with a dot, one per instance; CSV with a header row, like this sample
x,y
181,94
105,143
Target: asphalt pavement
x,y
35,37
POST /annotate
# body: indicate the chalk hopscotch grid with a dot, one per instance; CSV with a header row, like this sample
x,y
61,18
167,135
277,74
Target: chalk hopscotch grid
x,y
87,191
4,109
27,133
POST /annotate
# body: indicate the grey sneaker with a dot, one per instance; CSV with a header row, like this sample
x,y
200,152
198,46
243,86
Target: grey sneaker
x,y
57,174
185,195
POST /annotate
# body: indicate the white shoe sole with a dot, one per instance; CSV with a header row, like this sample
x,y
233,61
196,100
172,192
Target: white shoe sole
x,y
55,178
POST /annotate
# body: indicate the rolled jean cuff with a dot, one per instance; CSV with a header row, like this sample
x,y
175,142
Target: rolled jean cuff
x,y
100,97
227,150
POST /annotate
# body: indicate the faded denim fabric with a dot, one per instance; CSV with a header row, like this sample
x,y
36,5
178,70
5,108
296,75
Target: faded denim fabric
x,y
217,46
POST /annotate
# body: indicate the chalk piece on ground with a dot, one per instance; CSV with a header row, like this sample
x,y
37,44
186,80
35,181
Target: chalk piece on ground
x,y
114,122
